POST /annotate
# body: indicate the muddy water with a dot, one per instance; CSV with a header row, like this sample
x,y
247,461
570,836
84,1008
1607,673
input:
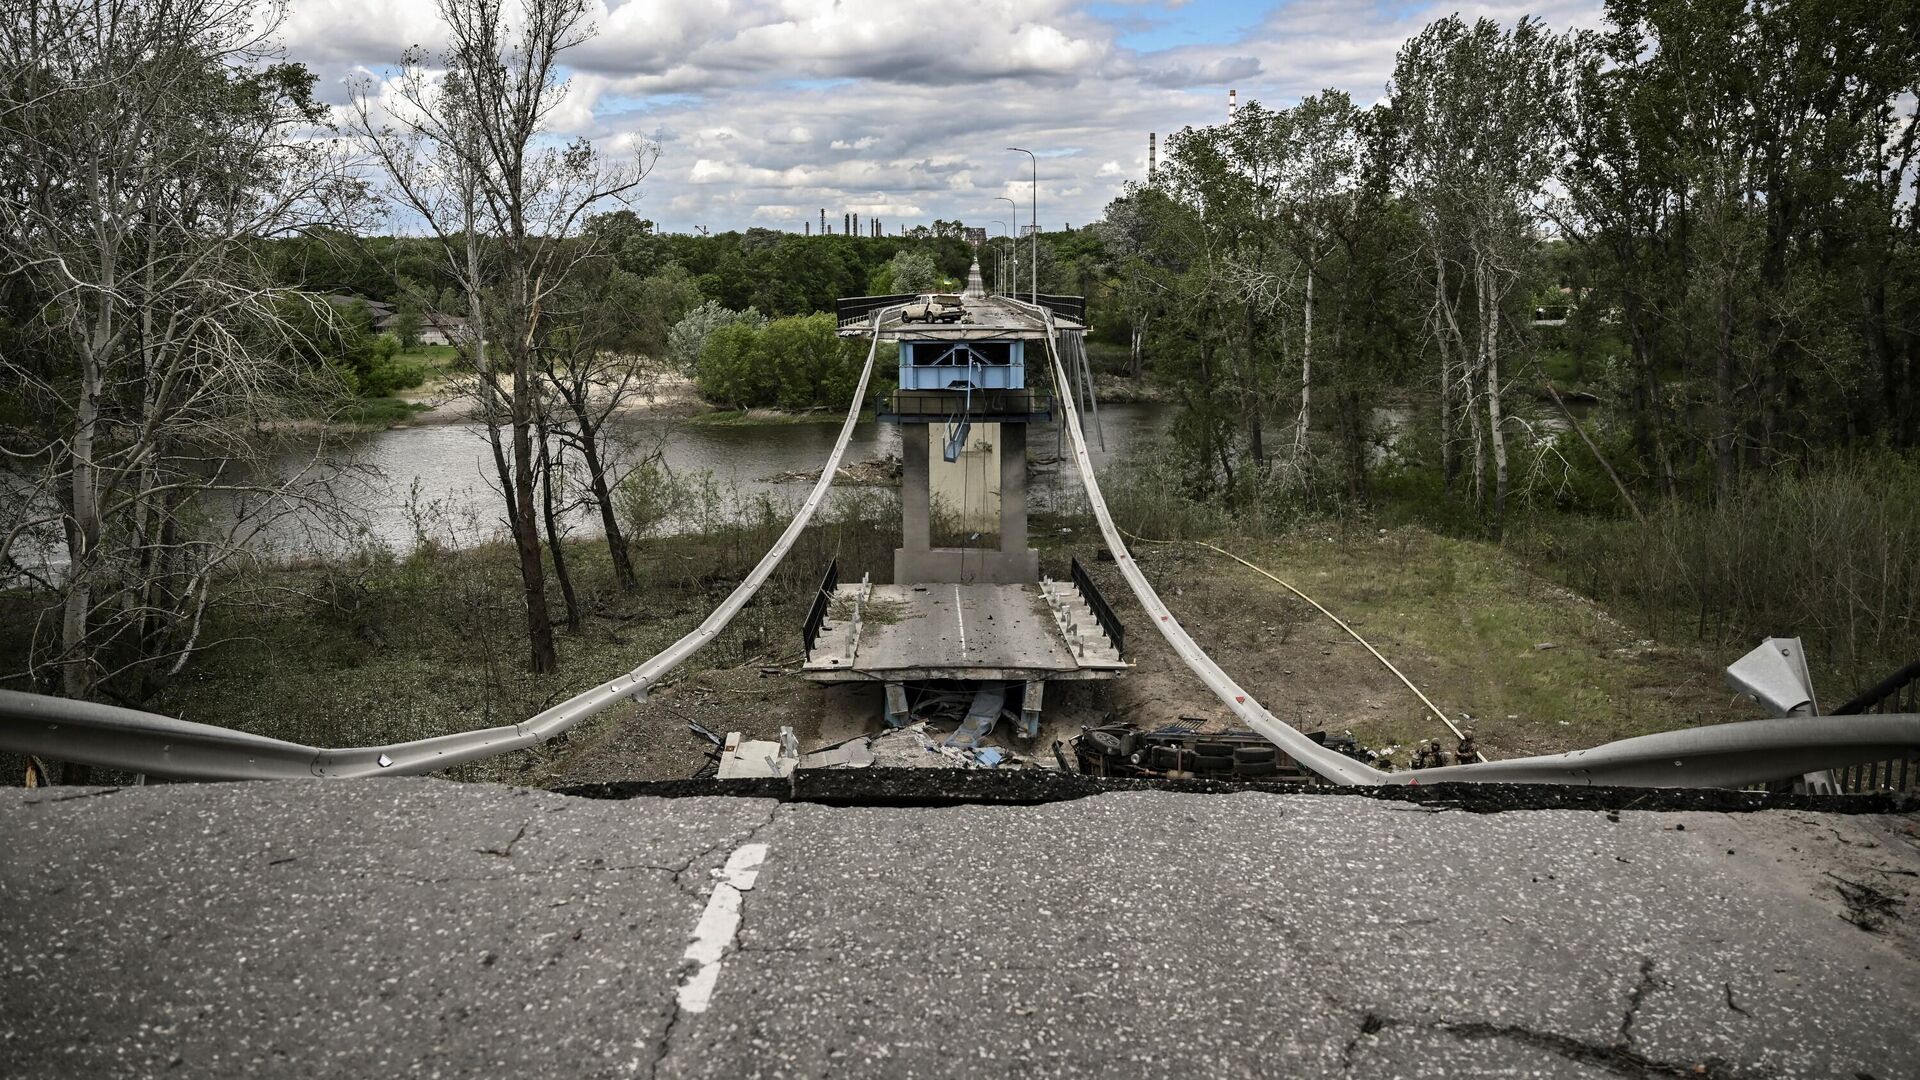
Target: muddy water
x,y
443,475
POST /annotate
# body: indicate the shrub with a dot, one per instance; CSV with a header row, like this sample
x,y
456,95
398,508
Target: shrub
x,y
794,363
1832,556
687,341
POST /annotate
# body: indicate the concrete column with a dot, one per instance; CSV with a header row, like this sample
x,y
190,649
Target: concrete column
x,y
915,530
1013,487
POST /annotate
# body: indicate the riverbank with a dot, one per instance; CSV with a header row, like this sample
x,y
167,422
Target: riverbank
x,y
664,394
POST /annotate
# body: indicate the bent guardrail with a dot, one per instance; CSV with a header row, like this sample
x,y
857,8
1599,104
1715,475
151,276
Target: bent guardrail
x,y
143,742
1722,755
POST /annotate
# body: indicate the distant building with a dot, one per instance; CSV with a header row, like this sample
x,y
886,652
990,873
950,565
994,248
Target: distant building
x,y
435,329
376,308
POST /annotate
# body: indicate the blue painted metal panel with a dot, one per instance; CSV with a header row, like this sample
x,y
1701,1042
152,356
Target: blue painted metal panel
x,y
944,365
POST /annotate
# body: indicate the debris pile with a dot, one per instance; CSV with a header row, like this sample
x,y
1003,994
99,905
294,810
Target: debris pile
x,y
873,472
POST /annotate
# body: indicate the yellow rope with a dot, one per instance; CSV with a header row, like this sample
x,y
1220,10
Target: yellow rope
x,y
1431,707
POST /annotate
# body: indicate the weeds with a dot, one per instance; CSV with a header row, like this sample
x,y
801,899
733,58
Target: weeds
x,y
1832,557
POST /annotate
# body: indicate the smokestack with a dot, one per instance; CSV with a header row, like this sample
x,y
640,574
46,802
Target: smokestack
x,y
1153,153
846,223
806,228
856,224
1233,103
823,221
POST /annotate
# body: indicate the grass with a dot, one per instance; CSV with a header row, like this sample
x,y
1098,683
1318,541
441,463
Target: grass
x,y
438,355
380,649
1460,618
380,412
763,418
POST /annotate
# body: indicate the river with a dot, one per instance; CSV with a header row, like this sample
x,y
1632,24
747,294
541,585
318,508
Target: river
x,y
438,480
441,477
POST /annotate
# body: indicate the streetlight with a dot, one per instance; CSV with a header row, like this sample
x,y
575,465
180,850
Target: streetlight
x,y
1015,245
1034,224
999,261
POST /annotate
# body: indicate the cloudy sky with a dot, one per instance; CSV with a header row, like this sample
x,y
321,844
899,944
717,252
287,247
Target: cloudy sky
x,y
765,111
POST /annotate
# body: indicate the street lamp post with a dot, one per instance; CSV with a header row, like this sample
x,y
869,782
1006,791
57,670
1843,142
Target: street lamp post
x,y
999,261
1015,245
1034,224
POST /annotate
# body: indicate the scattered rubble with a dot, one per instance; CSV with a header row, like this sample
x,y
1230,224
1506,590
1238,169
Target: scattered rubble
x,y
873,472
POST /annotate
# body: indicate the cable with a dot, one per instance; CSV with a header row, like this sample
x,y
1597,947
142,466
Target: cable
x,y
1431,707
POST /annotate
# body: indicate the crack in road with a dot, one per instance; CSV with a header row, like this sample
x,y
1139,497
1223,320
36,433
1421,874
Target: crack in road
x,y
504,851
1618,1057
1641,989
676,1010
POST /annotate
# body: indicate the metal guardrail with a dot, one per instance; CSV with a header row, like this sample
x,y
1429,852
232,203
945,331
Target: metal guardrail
x,y
1073,307
854,309
822,600
1897,693
1721,755
142,742
1102,611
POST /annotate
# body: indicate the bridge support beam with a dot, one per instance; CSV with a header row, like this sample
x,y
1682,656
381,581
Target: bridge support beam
x,y
915,532
916,560
1013,489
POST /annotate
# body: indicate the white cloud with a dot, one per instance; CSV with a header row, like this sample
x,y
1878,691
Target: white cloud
x,y
768,110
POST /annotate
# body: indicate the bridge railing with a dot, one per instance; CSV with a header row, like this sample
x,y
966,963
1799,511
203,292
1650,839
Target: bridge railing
x,y
1102,611
1897,693
1073,307
822,600
854,310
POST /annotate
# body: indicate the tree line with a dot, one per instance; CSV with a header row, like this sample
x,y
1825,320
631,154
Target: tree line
x,y
1702,215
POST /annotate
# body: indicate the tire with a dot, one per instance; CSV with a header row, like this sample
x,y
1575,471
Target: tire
x,y
1213,763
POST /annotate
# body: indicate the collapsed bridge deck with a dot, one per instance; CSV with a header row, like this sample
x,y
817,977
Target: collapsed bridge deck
x,y
943,630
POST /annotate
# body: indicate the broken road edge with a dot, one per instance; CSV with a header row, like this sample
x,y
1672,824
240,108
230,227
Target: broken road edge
x,y
958,787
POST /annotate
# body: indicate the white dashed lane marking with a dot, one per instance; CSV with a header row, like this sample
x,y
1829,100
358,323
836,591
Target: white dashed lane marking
x,y
718,924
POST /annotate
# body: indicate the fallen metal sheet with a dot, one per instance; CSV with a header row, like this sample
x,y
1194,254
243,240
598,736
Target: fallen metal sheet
x,y
1775,674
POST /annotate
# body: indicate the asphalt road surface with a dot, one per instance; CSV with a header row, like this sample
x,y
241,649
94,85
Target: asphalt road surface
x,y
417,927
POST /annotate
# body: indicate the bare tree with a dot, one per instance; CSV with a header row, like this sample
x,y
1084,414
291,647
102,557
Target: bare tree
x,y
468,148
595,369
146,150
1476,108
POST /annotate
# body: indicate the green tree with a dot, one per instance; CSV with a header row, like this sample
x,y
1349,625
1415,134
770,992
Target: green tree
x,y
912,271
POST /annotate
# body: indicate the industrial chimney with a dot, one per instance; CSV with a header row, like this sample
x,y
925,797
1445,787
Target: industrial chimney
x,y
1233,104
1152,153
823,221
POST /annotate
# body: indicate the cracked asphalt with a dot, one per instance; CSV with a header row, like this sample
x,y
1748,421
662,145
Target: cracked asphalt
x,y
419,927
